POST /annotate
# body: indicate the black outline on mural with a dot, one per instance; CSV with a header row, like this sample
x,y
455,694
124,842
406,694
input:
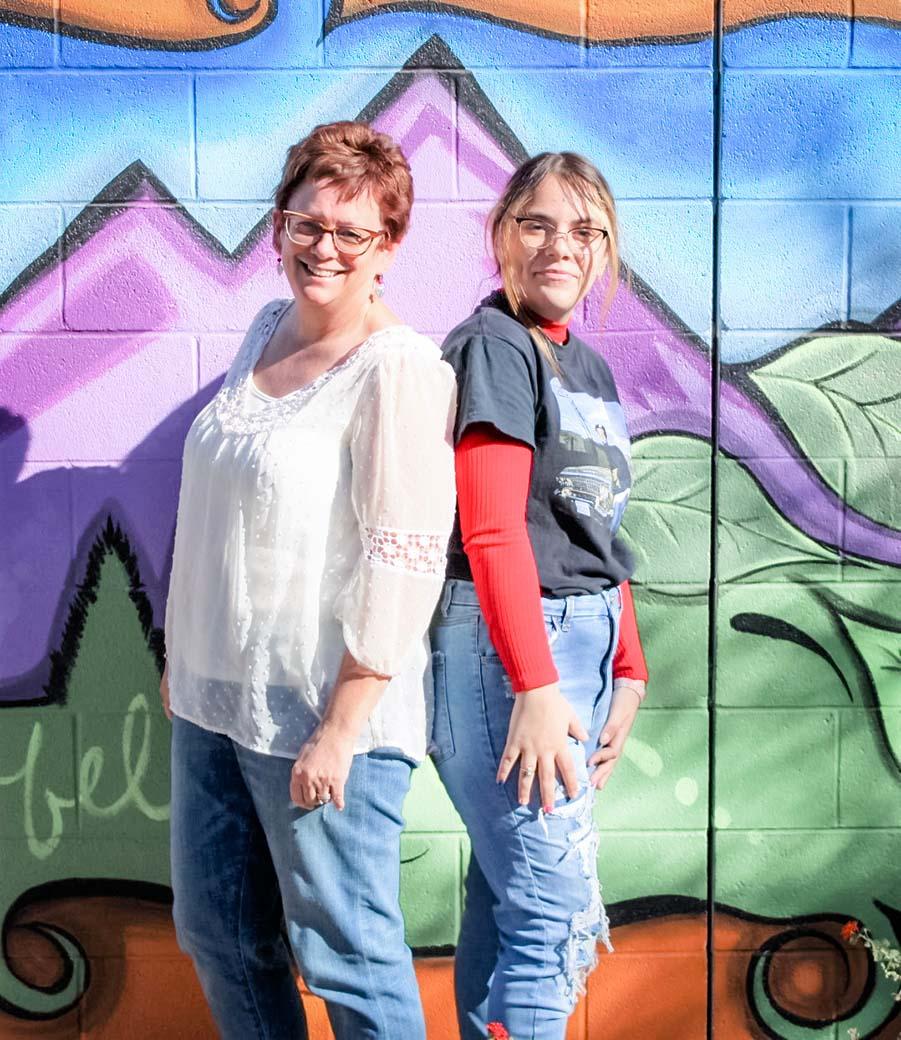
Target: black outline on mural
x,y
771,627
135,43
114,198
70,888
70,618
838,608
763,959
436,57
110,541
336,18
433,57
627,912
885,325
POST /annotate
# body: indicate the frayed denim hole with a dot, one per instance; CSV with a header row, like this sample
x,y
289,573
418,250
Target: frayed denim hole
x,y
588,924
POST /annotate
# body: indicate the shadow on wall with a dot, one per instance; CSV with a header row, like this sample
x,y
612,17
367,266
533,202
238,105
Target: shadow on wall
x,y
54,514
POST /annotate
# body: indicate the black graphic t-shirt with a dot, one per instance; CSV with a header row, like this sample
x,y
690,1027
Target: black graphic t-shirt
x,y
581,475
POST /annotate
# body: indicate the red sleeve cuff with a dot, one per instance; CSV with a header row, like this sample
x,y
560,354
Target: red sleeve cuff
x,y
629,660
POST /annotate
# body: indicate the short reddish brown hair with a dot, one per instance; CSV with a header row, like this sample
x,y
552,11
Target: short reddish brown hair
x,y
357,159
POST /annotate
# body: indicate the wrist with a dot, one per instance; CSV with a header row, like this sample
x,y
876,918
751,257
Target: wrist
x,y
538,691
636,686
335,728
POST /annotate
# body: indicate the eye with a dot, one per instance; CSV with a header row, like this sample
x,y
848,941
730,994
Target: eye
x,y
534,227
349,236
585,235
306,228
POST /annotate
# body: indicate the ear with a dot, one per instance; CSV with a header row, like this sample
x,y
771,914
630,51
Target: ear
x,y
387,252
278,223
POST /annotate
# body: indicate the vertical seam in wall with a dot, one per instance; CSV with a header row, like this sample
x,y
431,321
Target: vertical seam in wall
x,y
583,32
70,499
714,493
851,35
848,230
838,715
455,109
842,531
61,260
57,48
194,162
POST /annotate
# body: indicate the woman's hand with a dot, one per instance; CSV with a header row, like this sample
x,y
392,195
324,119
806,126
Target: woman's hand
x,y
164,692
321,769
623,709
542,721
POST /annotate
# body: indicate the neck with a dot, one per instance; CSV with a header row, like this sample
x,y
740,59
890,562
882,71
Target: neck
x,y
554,329
340,325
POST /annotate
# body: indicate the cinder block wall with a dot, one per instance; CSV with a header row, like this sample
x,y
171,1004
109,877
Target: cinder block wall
x,y
754,151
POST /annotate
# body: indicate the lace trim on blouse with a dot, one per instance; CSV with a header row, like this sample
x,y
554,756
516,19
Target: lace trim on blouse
x,y
230,404
413,551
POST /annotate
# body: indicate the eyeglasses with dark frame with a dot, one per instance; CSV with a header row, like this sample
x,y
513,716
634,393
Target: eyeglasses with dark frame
x,y
538,234
303,230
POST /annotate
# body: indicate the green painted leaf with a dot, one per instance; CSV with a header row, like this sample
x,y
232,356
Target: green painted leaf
x,y
841,398
880,649
668,522
84,785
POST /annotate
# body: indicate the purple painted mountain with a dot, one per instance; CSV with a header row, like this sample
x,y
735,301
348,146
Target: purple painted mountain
x,y
112,341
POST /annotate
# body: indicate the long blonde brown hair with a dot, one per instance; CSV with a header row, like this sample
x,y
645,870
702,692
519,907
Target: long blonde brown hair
x,y
586,182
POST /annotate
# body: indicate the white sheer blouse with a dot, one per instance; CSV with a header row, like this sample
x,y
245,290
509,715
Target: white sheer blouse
x,y
306,525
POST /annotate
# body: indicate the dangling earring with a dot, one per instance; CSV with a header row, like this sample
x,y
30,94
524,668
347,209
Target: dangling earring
x,y
378,288
278,263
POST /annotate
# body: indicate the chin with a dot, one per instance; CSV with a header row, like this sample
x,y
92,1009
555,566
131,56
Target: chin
x,y
318,295
550,303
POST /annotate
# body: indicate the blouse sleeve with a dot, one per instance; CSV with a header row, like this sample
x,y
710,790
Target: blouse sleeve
x,y
403,498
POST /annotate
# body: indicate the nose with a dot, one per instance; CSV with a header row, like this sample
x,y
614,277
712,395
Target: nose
x,y
324,246
559,246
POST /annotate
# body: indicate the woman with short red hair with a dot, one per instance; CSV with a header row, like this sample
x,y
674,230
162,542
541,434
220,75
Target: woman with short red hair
x,y
316,503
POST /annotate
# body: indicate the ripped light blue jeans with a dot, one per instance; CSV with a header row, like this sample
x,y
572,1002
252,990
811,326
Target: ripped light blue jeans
x,y
533,914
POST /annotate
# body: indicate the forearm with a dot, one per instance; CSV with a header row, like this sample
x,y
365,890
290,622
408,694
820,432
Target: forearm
x,y
493,474
355,694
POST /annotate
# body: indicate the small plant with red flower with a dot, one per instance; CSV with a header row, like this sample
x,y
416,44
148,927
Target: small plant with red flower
x,y
888,958
498,1031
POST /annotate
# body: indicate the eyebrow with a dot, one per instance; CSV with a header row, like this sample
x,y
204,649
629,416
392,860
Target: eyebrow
x,y
550,220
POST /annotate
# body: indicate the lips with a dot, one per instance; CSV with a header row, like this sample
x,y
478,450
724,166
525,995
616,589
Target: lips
x,y
320,272
556,274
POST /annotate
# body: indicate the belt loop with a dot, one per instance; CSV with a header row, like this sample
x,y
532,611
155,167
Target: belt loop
x,y
446,596
569,606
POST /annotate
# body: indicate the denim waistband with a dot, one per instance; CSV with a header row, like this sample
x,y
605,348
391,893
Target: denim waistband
x,y
458,592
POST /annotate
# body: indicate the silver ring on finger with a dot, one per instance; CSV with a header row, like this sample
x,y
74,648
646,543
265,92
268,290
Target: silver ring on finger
x,y
528,771
324,799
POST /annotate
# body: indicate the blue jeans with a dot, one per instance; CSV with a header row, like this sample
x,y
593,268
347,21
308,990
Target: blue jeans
x,y
244,856
533,913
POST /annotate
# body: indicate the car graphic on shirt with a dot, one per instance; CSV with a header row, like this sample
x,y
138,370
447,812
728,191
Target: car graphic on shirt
x,y
593,433
586,490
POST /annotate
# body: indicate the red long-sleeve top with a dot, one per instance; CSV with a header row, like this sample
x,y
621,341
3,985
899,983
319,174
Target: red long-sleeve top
x,y
493,476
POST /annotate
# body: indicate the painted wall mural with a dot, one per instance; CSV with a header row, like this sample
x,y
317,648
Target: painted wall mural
x,y
176,24
755,341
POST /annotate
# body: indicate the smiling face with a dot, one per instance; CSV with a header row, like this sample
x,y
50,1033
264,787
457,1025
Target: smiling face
x,y
319,274
553,279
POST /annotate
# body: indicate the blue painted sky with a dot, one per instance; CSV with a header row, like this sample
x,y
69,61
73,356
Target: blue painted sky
x,y
822,147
